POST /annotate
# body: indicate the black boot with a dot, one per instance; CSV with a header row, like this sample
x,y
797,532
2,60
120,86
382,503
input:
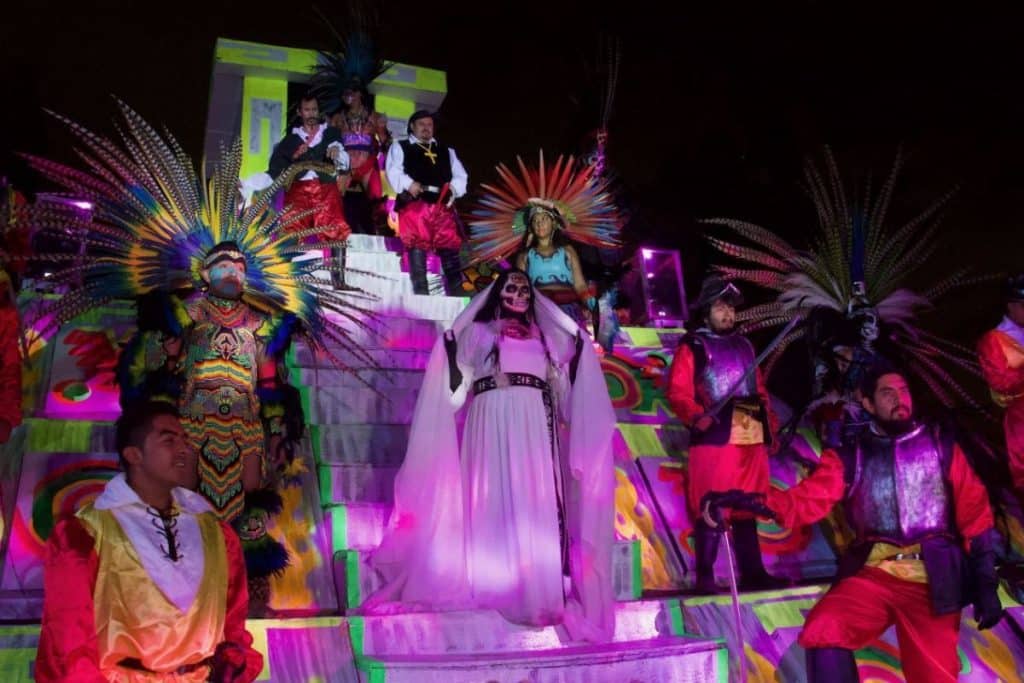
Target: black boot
x,y
451,265
831,665
339,257
418,271
705,542
748,558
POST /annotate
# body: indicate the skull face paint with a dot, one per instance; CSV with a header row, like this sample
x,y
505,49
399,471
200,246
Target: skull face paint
x,y
515,295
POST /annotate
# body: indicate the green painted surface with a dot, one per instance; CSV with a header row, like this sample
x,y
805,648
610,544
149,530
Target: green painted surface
x,y
642,439
58,436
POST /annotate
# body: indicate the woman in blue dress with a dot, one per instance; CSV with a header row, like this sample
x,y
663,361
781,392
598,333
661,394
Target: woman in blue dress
x,y
551,263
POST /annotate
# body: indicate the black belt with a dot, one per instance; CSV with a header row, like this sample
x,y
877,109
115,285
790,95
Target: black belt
x,y
137,665
515,379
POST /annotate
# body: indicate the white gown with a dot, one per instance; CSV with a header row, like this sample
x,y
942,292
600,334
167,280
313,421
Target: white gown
x,y
513,546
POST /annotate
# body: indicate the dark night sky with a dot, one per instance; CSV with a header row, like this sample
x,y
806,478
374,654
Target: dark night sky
x,y
717,106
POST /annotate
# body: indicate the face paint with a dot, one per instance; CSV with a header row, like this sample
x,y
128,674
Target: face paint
x,y
515,295
227,278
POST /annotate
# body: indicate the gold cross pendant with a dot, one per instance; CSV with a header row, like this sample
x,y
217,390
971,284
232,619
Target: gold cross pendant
x,y
430,154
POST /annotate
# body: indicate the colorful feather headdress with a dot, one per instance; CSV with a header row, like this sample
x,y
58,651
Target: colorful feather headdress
x,y
855,260
152,220
585,207
355,62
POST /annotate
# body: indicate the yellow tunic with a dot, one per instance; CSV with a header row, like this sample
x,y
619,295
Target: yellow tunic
x,y
135,620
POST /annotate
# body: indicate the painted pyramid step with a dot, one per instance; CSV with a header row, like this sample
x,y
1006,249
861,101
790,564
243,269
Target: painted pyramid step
x,y
376,444
679,659
393,332
395,378
358,483
355,580
345,405
486,631
384,358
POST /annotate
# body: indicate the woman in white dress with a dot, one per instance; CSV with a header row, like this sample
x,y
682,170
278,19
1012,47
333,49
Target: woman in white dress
x,y
497,522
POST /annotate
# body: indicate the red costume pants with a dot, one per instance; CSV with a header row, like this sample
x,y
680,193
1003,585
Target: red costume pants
x,y
858,609
324,201
428,226
720,468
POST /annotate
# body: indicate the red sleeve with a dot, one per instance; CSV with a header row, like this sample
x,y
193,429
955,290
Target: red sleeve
x,y
237,608
681,391
67,640
811,499
970,499
766,401
10,368
993,354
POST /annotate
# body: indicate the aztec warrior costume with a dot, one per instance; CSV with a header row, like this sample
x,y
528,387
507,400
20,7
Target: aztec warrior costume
x,y
217,351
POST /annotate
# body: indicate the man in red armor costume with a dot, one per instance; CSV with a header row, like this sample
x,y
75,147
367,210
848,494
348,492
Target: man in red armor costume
x,y
728,449
1001,354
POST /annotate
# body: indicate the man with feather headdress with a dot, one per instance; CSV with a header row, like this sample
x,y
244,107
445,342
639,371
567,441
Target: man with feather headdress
x,y
219,295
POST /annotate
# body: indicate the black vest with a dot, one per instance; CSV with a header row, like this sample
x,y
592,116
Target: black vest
x,y
418,167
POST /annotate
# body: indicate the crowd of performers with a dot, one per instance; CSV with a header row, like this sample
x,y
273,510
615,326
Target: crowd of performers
x,y
179,544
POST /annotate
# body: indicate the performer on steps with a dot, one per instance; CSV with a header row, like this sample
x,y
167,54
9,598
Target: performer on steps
x,y
728,449
924,542
528,497
1001,354
221,292
145,584
419,169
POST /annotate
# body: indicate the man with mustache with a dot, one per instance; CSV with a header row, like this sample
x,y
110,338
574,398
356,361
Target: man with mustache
x,y
314,192
728,450
924,541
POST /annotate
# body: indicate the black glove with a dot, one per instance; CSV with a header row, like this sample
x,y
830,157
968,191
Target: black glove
x,y
982,557
454,374
714,502
574,364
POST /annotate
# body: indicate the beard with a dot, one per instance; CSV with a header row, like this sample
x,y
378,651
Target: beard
x,y
895,427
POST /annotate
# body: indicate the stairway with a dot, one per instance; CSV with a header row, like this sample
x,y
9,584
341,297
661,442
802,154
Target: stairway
x,y
358,438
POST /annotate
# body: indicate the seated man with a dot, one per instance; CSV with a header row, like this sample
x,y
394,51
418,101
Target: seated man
x,y
924,542
144,584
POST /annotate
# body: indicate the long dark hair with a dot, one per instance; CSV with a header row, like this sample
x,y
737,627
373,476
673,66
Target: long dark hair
x,y
491,310
558,237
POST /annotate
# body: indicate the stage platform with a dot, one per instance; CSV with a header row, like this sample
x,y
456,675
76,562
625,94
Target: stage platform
x,y
337,506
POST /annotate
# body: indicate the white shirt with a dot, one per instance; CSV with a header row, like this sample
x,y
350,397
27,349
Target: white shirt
x,y
177,580
312,142
400,181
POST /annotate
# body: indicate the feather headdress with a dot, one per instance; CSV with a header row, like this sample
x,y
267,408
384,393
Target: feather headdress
x,y
582,203
855,261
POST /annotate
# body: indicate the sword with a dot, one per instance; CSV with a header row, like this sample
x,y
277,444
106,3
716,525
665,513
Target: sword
x,y
774,344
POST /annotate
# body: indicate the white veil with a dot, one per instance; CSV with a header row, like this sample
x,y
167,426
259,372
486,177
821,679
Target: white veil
x,y
422,555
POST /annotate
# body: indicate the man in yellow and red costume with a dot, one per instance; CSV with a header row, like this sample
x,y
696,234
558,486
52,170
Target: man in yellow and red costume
x,y
1001,354
145,584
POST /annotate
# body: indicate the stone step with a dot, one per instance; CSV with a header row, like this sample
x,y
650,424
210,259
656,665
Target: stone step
x,y
390,332
341,405
355,580
396,378
675,659
486,631
358,483
376,444
384,358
